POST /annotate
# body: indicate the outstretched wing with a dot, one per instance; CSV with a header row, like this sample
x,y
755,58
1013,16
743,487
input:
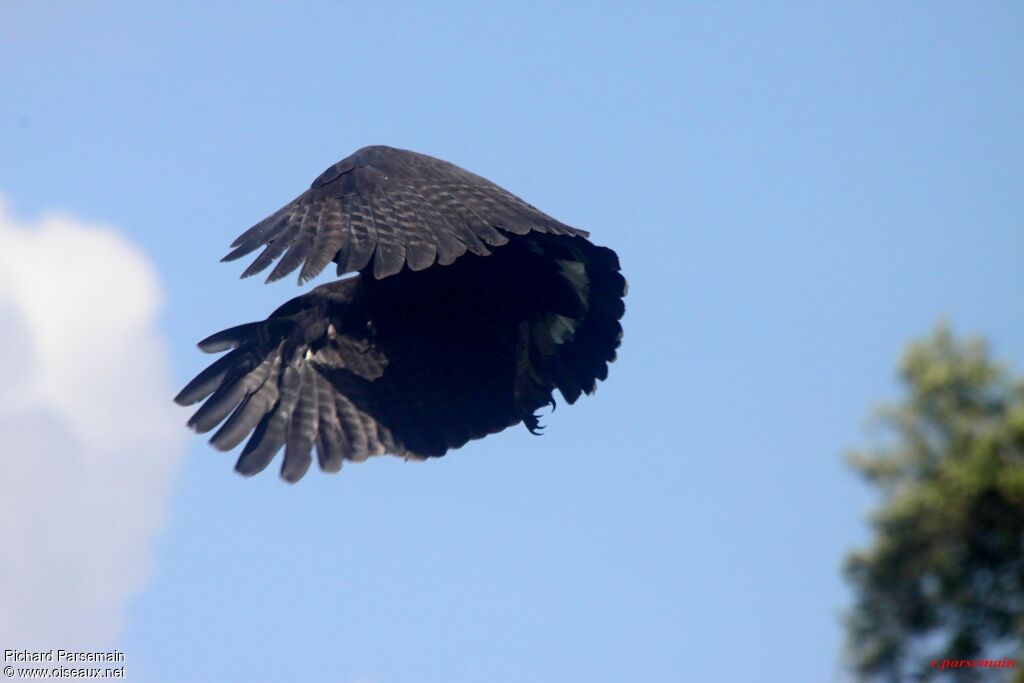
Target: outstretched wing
x,y
393,208
308,376
268,385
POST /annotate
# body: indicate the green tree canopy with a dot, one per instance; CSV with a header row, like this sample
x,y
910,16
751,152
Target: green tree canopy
x,y
944,576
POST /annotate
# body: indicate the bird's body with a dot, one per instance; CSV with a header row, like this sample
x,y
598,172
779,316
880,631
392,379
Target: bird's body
x,y
469,309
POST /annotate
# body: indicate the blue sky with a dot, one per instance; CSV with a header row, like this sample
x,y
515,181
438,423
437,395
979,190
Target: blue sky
x,y
795,192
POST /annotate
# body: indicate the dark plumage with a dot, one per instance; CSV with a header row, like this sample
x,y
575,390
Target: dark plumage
x,y
470,308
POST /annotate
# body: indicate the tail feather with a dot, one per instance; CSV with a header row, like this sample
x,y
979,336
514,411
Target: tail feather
x,y
579,363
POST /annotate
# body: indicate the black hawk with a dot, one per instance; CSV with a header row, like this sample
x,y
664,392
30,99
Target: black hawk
x,y
470,307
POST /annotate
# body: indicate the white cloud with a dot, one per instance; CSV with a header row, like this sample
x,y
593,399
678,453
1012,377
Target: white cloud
x,y
89,438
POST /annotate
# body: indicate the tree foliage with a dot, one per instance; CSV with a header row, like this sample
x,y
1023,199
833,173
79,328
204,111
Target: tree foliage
x,y
944,576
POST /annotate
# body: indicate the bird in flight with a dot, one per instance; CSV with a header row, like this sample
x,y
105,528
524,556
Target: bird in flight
x,y
469,307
